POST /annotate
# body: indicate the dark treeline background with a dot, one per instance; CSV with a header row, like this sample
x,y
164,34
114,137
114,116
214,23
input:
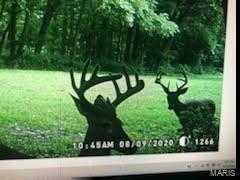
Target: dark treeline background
x,y
144,34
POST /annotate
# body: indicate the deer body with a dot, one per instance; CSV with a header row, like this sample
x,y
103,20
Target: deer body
x,y
202,109
103,123
204,105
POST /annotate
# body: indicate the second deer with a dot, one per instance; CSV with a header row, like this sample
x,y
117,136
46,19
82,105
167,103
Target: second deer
x,y
186,111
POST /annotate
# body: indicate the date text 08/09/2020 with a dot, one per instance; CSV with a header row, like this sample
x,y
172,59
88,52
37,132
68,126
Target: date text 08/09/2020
x,y
184,141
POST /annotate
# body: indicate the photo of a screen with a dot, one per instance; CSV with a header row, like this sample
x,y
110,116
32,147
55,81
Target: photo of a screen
x,y
110,78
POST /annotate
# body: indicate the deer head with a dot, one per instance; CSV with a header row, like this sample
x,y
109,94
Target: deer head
x,y
173,96
103,123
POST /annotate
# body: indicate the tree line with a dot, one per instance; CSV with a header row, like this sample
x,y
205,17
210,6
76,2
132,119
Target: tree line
x,y
145,34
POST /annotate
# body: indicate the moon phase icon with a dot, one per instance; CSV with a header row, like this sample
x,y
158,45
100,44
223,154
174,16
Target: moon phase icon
x,y
184,141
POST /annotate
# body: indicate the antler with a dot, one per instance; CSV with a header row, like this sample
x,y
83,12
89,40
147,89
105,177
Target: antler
x,y
185,81
158,81
130,89
94,80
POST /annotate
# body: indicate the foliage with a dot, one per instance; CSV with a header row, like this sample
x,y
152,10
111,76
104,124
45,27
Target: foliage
x,y
48,61
150,33
140,12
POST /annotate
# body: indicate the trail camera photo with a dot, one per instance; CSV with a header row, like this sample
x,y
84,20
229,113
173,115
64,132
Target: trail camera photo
x,y
107,77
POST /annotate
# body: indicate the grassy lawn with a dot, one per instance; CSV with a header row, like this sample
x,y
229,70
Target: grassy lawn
x,y
38,116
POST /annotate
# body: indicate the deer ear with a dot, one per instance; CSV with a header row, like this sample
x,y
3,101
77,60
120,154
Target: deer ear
x,y
183,91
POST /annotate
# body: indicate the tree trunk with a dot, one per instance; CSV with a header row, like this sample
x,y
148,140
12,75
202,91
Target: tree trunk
x,y
4,37
102,41
23,38
72,17
119,49
109,49
52,6
129,46
197,69
77,30
64,32
91,42
12,34
136,44
142,53
165,55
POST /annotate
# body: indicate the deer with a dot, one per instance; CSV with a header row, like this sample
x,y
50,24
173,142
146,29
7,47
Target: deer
x,y
101,116
189,111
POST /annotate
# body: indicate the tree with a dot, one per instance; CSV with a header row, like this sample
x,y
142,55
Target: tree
x,y
12,33
3,38
145,34
77,28
140,20
23,38
51,8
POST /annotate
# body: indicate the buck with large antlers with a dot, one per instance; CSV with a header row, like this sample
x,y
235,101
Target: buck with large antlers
x,y
103,123
206,108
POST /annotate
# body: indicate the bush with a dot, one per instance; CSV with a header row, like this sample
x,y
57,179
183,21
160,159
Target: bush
x,y
116,67
212,70
166,69
49,61
110,66
43,61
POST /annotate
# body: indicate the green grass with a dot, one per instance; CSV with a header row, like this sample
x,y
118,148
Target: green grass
x,y
38,116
